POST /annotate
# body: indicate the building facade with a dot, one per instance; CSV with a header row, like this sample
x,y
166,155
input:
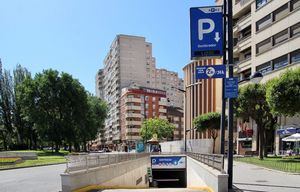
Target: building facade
x,y
130,62
170,82
201,96
266,39
99,84
175,117
136,105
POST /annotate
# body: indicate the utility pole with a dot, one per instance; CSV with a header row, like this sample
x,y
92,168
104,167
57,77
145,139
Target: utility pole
x,y
230,100
223,117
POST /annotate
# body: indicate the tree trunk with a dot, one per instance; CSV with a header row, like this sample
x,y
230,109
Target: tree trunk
x,y
214,144
56,147
70,147
261,142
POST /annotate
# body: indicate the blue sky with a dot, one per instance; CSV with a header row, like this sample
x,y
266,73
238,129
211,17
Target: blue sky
x,y
74,35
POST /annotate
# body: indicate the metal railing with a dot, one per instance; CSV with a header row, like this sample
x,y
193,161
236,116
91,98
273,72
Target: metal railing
x,y
88,161
215,161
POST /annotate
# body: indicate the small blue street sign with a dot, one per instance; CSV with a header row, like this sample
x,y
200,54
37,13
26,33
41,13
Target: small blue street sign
x,y
206,25
231,87
210,71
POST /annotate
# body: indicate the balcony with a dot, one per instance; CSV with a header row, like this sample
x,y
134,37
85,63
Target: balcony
x,y
133,100
162,110
137,115
162,117
241,5
133,107
242,23
133,123
242,44
132,130
163,103
242,65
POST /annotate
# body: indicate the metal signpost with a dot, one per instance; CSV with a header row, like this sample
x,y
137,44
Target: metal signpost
x,y
206,31
208,40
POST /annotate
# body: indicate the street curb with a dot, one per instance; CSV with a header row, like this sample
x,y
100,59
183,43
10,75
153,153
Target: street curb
x,y
30,166
274,170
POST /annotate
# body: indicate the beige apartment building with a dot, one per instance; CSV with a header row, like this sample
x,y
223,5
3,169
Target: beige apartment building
x,y
130,62
266,39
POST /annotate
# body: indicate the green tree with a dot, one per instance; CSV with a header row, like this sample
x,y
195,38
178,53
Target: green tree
x,y
209,122
6,107
283,93
19,75
251,102
161,127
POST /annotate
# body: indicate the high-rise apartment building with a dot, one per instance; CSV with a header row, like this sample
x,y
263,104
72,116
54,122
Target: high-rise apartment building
x,y
99,84
266,39
130,62
170,82
137,104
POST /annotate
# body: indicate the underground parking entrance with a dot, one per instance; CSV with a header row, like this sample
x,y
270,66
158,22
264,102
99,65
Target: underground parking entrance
x,y
168,171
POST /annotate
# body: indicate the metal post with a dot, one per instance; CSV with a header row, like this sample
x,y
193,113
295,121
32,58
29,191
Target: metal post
x,y
230,101
224,63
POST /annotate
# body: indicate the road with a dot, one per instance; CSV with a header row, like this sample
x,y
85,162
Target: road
x,y
34,179
253,178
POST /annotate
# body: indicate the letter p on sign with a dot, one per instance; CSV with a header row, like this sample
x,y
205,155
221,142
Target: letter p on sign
x,y
201,30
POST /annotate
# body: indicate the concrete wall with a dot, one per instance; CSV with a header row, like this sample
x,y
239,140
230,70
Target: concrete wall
x,y
193,145
199,175
126,174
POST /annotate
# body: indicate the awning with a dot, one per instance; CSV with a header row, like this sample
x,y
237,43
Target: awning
x,y
245,139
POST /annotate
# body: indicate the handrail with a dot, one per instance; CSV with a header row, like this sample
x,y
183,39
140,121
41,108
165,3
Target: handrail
x,y
215,161
88,161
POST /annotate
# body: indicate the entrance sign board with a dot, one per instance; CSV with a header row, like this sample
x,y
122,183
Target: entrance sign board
x,y
210,71
206,26
231,87
168,162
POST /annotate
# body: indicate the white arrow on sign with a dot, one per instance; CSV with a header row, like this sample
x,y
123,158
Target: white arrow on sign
x,y
217,36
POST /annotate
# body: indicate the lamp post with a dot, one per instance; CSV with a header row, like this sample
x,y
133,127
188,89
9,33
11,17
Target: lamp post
x,y
185,109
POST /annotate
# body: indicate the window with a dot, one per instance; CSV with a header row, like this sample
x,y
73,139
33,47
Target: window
x,y
153,98
263,46
263,22
280,62
264,68
295,56
295,29
295,4
260,3
281,12
280,37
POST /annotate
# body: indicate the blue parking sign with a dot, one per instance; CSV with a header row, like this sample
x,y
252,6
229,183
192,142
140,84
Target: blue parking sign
x,y
206,31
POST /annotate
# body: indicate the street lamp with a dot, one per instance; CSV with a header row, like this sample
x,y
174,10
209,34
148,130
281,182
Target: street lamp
x,y
185,109
256,77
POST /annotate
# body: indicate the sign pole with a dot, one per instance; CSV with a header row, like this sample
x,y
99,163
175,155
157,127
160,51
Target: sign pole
x,y
224,62
230,100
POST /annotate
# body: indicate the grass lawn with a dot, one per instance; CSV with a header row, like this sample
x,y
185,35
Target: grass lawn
x,y
289,164
44,158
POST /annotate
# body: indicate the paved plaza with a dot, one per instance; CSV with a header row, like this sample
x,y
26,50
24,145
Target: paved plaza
x,y
253,178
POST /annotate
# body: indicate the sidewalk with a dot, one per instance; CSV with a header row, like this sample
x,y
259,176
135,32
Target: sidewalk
x,y
248,177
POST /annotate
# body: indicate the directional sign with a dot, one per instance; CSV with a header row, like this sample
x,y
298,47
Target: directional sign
x,y
210,71
231,87
168,162
206,31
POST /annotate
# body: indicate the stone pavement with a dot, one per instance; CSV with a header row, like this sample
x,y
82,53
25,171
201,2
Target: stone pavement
x,y
33,179
153,190
253,178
